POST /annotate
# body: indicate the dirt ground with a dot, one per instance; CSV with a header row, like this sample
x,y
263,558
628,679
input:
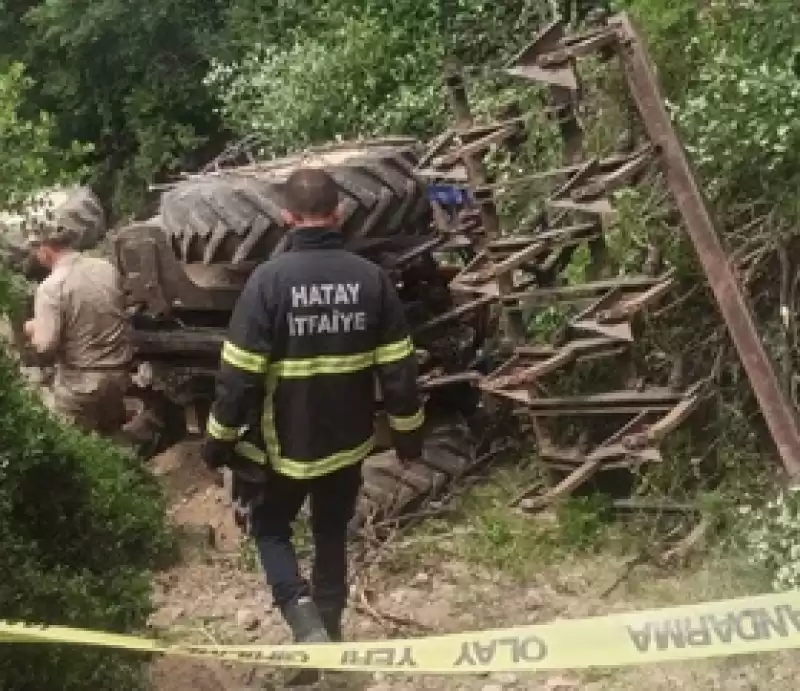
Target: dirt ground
x,y
443,583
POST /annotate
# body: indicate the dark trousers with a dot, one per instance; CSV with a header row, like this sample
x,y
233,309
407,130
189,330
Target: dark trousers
x,y
333,501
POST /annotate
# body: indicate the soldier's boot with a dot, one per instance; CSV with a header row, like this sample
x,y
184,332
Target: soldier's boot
x,y
307,626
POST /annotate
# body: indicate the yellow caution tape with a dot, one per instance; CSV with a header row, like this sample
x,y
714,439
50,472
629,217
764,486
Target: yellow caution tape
x,y
759,624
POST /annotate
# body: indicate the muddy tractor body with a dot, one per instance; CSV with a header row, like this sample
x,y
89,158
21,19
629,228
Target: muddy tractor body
x,y
184,269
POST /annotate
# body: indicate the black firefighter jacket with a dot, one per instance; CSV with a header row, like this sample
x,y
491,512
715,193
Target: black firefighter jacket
x,y
309,333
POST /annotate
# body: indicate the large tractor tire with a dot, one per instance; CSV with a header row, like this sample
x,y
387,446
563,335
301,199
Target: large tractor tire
x,y
392,488
236,215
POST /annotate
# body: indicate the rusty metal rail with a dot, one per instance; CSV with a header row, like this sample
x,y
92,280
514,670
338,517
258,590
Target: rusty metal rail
x,y
779,412
517,270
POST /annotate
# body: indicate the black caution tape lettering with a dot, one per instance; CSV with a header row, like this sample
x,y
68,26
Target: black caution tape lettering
x,y
252,655
515,649
760,623
386,656
206,651
284,656
757,624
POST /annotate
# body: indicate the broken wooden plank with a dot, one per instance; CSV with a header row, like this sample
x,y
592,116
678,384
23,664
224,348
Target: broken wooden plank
x,y
609,403
536,296
556,359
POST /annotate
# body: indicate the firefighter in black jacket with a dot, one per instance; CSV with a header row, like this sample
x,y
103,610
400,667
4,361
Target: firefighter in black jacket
x,y
296,398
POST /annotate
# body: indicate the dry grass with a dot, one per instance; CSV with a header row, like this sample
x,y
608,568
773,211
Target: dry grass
x,y
483,566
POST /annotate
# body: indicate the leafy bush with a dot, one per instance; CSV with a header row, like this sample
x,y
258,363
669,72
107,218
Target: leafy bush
x,y
734,94
352,79
125,78
28,161
81,526
742,114
771,538
344,69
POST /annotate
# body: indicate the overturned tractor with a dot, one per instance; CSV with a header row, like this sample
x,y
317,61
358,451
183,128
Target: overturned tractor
x,y
183,271
430,218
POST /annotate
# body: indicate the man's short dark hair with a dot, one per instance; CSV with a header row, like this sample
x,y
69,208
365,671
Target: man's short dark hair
x,y
311,192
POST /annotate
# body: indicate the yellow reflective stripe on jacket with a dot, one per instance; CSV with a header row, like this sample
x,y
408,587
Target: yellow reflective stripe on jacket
x,y
244,359
393,352
305,470
407,423
299,470
298,368
216,429
268,430
251,452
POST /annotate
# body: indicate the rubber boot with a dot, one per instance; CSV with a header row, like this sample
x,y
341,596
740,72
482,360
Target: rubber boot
x,y
332,620
307,627
331,616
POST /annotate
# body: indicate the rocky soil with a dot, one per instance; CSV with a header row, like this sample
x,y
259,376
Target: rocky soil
x,y
218,595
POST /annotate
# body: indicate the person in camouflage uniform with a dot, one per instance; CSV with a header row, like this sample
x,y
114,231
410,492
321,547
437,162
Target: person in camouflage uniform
x,y
79,323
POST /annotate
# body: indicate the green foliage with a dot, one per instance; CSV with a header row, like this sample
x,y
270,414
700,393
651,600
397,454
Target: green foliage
x,y
352,79
155,89
730,74
734,93
81,527
124,77
513,541
742,114
744,118
343,69
669,26
767,534
29,160
583,521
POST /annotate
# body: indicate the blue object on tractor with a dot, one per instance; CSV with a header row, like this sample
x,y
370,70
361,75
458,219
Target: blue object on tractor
x,y
449,195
